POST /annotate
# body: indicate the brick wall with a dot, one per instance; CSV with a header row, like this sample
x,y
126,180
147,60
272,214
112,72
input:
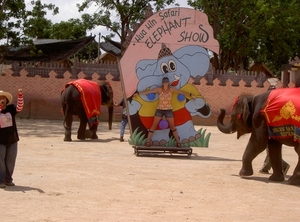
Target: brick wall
x,y
42,95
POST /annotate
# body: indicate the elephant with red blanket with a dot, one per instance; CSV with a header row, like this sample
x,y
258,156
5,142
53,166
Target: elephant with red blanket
x,y
273,119
84,98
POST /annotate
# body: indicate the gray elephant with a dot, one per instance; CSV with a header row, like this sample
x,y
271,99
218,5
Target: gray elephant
x,y
273,119
83,98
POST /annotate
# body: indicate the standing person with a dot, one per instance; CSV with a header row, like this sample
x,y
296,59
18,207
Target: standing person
x,y
124,120
267,165
164,108
8,136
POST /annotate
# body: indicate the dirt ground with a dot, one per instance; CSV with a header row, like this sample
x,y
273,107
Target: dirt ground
x,y
102,180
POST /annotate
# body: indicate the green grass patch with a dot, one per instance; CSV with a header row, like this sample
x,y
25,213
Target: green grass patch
x,y
139,139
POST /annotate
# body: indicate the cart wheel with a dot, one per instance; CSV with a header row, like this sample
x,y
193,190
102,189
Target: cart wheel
x,y
136,152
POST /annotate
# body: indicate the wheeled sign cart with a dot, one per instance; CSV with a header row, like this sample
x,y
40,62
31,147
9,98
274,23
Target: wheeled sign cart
x,y
171,46
160,150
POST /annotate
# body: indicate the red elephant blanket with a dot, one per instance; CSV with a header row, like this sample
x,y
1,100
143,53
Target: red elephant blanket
x,y
90,97
282,113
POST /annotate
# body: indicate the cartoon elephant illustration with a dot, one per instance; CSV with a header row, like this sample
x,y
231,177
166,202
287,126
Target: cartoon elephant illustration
x,y
74,103
273,119
179,67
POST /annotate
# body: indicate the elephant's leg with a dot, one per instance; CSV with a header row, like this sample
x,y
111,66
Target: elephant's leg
x,y
82,122
68,126
275,160
255,146
93,129
295,178
81,129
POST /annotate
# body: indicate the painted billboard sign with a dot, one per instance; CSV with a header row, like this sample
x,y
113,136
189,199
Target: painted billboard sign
x,y
172,43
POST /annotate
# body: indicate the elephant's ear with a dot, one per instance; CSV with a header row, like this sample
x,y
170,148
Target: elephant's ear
x,y
145,68
245,110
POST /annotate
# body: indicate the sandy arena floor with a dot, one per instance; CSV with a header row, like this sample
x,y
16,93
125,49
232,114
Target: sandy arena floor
x,y
103,180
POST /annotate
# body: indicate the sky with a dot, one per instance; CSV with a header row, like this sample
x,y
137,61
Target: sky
x,y
68,9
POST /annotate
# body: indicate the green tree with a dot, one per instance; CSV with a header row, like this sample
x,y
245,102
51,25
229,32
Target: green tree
x,y
75,29
89,52
117,16
19,26
281,28
11,17
71,29
261,31
35,24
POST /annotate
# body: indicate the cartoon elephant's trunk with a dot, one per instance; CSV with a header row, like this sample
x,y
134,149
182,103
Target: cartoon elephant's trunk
x,y
224,128
110,116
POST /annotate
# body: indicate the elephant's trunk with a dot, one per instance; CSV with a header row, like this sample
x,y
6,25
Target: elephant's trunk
x,y
224,129
110,116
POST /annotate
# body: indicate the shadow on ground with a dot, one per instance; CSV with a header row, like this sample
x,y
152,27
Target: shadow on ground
x,y
23,189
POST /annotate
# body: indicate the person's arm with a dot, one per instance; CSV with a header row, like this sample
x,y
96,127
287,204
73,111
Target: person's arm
x,y
2,103
186,94
146,92
119,104
20,101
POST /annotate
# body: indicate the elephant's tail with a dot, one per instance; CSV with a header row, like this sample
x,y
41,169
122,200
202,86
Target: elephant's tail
x,y
65,112
65,105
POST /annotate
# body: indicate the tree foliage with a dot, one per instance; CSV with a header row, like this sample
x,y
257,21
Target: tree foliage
x,y
74,29
261,31
19,25
9,27
35,25
264,31
71,29
117,16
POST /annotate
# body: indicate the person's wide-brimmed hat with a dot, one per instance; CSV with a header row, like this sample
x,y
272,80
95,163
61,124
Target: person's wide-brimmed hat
x,y
7,95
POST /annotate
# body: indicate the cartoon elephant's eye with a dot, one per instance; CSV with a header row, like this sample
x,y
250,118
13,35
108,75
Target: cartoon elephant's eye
x,y
164,67
172,65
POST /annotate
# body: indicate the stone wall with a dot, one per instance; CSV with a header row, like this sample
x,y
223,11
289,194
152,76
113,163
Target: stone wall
x,y
42,95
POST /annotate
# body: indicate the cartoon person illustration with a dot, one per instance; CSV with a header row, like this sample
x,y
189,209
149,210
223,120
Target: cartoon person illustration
x,y
179,67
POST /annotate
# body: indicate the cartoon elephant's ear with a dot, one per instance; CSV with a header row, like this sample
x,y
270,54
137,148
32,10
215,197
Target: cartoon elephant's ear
x,y
196,58
145,68
245,110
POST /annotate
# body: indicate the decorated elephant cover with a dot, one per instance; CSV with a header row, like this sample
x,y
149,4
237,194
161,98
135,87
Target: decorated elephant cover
x,y
90,97
174,43
282,113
